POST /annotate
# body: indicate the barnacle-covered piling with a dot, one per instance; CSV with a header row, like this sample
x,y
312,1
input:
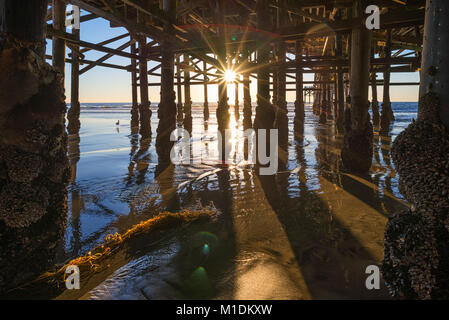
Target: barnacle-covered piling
x,y
34,169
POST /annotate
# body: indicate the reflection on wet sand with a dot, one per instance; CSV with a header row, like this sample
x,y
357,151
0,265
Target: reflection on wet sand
x,y
76,198
307,233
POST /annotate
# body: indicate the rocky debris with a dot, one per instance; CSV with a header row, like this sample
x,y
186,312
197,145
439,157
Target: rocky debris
x,y
34,169
417,241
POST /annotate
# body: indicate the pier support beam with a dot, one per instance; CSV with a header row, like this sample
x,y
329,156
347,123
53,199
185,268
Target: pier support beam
x,y
324,101
135,104
187,96
281,103
180,112
236,103
247,107
299,102
167,106
58,52
417,241
330,98
222,107
387,113
265,114
357,151
206,98
317,95
34,168
374,102
73,115
144,108
340,94
275,80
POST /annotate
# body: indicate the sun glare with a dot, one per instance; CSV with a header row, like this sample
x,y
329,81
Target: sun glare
x,y
229,76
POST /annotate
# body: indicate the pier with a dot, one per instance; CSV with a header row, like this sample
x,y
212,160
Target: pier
x,y
270,43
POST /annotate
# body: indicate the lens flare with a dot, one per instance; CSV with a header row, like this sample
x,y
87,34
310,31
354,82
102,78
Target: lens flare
x,y
229,76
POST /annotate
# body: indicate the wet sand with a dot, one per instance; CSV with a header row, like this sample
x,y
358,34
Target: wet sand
x,y
307,233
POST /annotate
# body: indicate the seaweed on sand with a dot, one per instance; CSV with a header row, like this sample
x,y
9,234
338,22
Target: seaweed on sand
x,y
109,256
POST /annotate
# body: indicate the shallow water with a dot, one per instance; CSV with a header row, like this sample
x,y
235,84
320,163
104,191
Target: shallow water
x,y
308,232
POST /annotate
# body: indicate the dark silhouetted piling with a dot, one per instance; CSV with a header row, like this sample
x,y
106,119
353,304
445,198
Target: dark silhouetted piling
x,y
386,115
187,96
135,103
357,151
144,107
34,169
417,240
167,106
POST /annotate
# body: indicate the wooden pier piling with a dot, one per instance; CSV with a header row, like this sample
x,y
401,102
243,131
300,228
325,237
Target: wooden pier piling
x,y
206,98
135,103
187,96
357,151
416,250
340,94
58,53
374,102
167,106
386,115
299,101
73,115
179,107
144,107
33,142
222,107
265,114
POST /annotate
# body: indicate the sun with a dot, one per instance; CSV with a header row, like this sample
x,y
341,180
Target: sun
x,y
229,76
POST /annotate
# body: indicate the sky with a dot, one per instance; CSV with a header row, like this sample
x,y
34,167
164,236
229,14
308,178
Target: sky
x,y
105,85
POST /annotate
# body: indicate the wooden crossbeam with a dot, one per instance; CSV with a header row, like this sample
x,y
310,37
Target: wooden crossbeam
x,y
119,19
88,17
69,38
104,58
103,43
85,61
392,19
